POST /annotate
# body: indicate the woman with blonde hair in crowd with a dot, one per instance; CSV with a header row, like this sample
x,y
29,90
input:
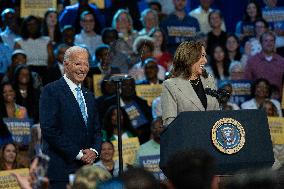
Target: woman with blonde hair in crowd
x,y
123,23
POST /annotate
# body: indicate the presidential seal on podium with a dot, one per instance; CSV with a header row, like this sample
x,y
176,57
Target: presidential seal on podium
x,y
228,135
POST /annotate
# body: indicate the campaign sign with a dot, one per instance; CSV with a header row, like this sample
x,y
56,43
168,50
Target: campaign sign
x,y
151,164
20,129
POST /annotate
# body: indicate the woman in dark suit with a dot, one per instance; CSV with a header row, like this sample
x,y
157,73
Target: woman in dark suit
x,y
185,91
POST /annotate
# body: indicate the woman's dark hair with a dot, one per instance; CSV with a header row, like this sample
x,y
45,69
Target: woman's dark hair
x,y
258,11
97,27
2,163
238,55
106,31
215,12
256,82
99,50
109,127
44,29
266,25
31,99
164,43
24,28
226,62
3,111
186,55
109,142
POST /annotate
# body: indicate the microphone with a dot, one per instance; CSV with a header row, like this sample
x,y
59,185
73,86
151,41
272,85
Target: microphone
x,y
204,73
219,94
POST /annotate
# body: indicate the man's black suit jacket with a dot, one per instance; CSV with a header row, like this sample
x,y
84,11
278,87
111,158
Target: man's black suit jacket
x,y
63,128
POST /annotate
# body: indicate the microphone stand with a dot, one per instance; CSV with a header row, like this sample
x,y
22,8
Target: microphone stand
x,y
118,79
120,159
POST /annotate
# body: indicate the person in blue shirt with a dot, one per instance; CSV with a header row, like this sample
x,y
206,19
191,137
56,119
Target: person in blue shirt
x,y
179,26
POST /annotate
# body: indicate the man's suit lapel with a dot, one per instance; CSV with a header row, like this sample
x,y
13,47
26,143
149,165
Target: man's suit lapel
x,y
69,96
188,91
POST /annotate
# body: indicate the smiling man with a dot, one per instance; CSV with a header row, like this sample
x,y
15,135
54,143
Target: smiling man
x,y
69,120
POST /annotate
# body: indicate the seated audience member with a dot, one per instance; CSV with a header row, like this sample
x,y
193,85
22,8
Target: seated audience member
x,y
117,57
144,47
50,26
138,178
26,94
10,32
161,54
233,47
68,35
88,177
152,147
38,48
137,109
216,36
88,37
179,26
8,157
5,135
18,57
149,19
190,169
110,127
123,23
257,179
269,108
278,149
106,159
9,108
270,12
108,89
266,64
57,70
236,70
5,59
245,27
102,67
260,92
201,13
70,15
260,26
103,61
220,63
151,73
156,5
224,100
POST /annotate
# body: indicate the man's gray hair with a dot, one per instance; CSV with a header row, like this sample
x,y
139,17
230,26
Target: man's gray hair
x,y
73,49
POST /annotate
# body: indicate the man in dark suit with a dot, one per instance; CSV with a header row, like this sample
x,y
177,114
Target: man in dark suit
x,y
69,120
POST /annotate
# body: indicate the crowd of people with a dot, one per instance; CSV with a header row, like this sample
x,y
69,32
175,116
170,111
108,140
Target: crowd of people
x,y
183,51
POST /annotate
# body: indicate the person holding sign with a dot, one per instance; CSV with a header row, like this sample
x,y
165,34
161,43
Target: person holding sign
x,y
185,91
69,120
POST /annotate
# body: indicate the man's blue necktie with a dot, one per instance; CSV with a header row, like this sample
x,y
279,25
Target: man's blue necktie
x,y
81,104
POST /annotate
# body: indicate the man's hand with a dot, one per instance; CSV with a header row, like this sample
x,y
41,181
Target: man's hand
x,y
89,156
